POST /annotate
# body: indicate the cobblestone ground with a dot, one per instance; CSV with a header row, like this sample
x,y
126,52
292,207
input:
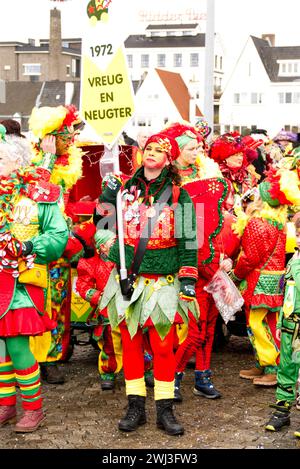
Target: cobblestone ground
x,y
81,415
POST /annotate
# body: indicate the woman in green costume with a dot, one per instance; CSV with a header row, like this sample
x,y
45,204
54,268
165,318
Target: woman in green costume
x,y
164,288
32,234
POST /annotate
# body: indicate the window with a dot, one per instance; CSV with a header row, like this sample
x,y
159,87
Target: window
x,y
296,99
32,69
76,68
253,127
256,98
216,61
221,63
145,60
226,128
171,33
288,98
187,33
161,60
68,70
194,61
177,60
289,68
65,44
129,60
236,98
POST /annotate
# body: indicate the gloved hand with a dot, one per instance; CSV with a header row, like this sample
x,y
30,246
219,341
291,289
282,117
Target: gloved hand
x,y
187,289
112,185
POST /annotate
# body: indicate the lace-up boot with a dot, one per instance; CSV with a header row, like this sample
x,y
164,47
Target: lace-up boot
x,y
166,420
31,421
135,415
7,414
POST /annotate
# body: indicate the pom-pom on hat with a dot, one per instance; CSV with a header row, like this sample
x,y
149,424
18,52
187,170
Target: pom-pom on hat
x,y
226,145
54,120
183,133
203,127
167,144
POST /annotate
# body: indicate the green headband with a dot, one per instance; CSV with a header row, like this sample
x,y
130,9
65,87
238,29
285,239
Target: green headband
x,y
184,139
102,236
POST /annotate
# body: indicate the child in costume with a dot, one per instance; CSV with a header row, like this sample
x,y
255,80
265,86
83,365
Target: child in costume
x,y
93,274
261,266
32,234
163,292
288,333
59,161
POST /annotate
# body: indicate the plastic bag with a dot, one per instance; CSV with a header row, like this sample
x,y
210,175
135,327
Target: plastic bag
x,y
225,294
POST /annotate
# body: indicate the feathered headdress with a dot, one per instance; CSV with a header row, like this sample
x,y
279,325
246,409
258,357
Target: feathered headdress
x,y
54,120
281,187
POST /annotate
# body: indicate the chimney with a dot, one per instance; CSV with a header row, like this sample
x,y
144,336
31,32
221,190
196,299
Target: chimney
x,y
54,44
270,38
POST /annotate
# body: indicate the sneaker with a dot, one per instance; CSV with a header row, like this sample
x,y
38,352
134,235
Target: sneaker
x,y
278,420
107,381
204,386
251,373
266,380
8,414
31,421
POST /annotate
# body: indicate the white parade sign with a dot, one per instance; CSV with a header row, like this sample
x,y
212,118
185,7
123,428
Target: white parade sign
x,y
107,99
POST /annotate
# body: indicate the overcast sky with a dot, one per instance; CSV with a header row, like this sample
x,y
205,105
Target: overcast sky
x,y
235,20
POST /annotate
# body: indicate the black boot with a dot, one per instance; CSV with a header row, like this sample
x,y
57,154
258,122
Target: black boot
x,y
136,414
177,393
53,374
166,420
280,417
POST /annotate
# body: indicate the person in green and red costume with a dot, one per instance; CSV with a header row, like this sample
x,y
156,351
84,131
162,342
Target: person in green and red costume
x,y
261,267
32,234
164,290
215,250
58,160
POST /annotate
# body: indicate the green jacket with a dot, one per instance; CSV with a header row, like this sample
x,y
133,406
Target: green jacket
x,y
168,260
291,303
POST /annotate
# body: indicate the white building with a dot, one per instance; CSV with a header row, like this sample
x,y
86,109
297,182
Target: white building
x,y
162,97
263,90
179,48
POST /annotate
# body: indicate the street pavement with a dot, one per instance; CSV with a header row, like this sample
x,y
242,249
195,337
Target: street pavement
x,y
82,416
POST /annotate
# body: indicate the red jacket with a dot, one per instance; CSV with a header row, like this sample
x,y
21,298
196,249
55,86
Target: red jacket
x,y
93,275
262,264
